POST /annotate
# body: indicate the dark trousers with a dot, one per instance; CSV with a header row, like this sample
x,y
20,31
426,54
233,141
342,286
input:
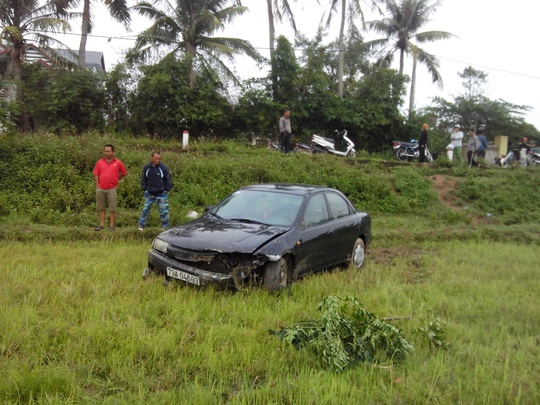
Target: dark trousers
x,y
285,142
422,153
470,156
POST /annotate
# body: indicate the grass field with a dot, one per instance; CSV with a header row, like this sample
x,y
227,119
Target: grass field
x,y
78,324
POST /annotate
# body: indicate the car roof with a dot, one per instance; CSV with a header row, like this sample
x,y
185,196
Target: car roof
x,y
293,188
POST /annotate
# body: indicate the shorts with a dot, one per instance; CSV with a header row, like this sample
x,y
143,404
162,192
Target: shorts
x,y
106,199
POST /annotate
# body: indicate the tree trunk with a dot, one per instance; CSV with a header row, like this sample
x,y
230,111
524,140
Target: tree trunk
x,y
84,33
16,68
413,86
272,33
341,46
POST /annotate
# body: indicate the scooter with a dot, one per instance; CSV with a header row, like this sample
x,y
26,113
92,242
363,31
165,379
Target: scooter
x,y
532,158
404,151
301,148
320,144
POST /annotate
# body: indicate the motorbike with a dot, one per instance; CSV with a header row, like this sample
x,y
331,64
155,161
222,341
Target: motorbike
x,y
532,159
405,151
320,144
301,148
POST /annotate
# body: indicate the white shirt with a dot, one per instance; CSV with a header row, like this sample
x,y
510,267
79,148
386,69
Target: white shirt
x,y
457,138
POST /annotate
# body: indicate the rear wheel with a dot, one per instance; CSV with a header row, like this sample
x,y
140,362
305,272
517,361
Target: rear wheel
x,y
358,254
399,155
275,275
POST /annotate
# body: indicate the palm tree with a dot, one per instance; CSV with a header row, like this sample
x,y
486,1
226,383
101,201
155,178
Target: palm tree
x,y
277,9
118,10
187,26
401,30
348,13
20,20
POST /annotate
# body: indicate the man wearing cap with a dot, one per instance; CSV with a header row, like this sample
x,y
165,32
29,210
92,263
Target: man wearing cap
x,y
457,142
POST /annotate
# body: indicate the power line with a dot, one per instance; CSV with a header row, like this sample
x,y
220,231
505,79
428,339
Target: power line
x,y
133,38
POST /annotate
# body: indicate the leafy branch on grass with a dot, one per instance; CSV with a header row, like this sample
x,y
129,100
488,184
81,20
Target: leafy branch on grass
x,y
434,333
347,334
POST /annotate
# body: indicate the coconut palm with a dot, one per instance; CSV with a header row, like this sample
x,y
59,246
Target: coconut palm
x,y
349,12
277,10
188,27
21,21
118,10
405,19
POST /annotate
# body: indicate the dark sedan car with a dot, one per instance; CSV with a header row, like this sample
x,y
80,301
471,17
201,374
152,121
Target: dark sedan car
x,y
269,233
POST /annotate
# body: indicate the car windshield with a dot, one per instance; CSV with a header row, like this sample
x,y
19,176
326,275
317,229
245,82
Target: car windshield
x,y
259,206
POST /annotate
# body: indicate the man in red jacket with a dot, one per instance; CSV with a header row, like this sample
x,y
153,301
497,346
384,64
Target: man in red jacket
x,y
108,171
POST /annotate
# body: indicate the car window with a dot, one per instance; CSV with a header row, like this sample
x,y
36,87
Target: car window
x,y
316,212
338,206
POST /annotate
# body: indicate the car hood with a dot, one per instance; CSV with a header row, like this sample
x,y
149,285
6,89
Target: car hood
x,y
212,234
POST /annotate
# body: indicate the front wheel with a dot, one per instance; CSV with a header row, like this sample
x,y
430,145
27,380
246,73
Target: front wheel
x,y
276,275
400,156
358,254
352,154
534,161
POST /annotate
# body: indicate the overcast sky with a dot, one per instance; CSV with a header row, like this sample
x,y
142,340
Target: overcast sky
x,y
500,41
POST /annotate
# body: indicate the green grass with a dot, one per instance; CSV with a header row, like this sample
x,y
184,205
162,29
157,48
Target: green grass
x,y
79,325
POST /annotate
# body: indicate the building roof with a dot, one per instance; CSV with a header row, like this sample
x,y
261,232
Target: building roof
x,y
33,53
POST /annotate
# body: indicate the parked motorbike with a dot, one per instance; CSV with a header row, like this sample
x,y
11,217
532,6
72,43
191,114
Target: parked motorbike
x,y
301,148
404,151
532,159
320,144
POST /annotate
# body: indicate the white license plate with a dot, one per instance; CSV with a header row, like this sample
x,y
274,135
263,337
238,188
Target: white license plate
x,y
180,275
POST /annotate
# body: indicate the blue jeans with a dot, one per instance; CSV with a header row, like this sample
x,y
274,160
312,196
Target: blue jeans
x,y
163,206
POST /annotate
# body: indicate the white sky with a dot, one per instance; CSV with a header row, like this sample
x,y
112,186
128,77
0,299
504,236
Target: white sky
x,y
501,41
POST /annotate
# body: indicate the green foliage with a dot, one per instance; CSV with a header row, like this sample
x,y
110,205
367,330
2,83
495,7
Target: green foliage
x,y
347,334
54,174
63,101
473,109
176,106
434,332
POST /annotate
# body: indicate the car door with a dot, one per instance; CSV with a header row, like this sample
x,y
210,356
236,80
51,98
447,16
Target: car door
x,y
342,228
313,250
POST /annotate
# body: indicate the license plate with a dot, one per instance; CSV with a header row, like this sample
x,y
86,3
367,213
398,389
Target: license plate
x,y
180,275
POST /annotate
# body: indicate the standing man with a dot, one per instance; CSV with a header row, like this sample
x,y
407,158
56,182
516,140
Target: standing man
x,y
457,142
481,151
156,183
422,143
472,147
285,131
107,172
524,149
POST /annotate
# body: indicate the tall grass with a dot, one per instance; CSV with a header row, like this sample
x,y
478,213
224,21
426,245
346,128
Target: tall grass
x,y
78,324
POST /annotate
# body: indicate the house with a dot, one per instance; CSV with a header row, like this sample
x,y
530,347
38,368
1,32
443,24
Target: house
x,y
32,54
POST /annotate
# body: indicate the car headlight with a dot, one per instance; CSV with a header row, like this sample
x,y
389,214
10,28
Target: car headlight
x,y
160,246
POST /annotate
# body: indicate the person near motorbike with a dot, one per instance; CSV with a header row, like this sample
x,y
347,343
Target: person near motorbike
x,y
454,148
524,149
422,143
481,151
285,131
472,147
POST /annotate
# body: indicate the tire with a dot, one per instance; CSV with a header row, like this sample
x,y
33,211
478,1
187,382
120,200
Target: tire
x,y
276,275
534,161
358,254
399,155
352,154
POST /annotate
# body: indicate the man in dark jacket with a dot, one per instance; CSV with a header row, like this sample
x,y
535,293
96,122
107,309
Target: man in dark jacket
x,y
156,183
422,143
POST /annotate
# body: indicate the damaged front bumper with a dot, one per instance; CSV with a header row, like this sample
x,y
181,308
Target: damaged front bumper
x,y
180,271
